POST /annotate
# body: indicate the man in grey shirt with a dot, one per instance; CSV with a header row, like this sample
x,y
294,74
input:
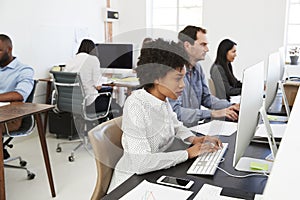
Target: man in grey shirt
x,y
196,91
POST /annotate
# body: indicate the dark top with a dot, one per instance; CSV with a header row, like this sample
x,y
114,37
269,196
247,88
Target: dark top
x,y
224,89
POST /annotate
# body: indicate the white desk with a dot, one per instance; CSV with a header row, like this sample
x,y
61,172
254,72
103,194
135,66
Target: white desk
x,y
284,179
291,71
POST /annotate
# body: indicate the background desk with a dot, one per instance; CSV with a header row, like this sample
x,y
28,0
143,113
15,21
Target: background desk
x,y
254,184
17,110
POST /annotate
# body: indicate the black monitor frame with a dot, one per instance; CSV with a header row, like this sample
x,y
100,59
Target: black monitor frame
x,y
113,55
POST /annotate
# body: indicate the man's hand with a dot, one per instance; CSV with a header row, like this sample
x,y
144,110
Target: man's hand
x,y
235,107
227,112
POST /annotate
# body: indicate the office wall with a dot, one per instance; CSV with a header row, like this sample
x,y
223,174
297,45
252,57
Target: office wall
x,y
46,33
256,26
132,24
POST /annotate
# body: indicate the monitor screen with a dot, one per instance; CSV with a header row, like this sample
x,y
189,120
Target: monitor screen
x,y
113,55
282,61
273,76
249,114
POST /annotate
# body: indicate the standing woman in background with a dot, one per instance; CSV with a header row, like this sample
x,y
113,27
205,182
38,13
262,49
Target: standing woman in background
x,y
221,73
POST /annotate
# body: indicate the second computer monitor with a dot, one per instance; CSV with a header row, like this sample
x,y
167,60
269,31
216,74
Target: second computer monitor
x,y
273,76
251,103
118,56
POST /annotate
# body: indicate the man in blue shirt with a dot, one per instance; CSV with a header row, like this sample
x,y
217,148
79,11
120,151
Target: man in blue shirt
x,y
16,80
196,91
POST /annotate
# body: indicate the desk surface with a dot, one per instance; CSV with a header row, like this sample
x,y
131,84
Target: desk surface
x,y
16,110
19,109
253,184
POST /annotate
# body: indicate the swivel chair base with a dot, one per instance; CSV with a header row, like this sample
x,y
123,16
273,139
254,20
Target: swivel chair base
x,y
23,163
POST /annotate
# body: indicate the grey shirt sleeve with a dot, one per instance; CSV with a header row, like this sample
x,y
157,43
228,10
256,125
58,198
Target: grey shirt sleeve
x,y
221,82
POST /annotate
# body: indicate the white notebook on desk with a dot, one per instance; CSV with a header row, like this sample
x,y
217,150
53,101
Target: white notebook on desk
x,y
216,127
152,191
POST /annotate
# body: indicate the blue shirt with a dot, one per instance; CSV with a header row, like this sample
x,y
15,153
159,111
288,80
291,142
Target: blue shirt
x,y
16,77
195,94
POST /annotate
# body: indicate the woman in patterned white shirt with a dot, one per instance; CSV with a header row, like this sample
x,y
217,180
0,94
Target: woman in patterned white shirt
x,y
149,125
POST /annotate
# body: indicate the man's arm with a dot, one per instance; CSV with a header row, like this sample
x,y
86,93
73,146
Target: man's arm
x,y
189,116
10,96
209,100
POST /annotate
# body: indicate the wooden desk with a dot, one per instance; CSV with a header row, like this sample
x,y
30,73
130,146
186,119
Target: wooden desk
x,y
17,110
254,184
47,100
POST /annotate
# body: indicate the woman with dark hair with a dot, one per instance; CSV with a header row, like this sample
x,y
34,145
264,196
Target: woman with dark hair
x,y
221,73
149,125
88,65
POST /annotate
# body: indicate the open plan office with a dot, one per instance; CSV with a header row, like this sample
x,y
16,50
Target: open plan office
x,y
102,132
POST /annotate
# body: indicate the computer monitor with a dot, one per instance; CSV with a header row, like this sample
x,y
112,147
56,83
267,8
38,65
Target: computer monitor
x,y
282,61
274,81
249,115
273,77
116,56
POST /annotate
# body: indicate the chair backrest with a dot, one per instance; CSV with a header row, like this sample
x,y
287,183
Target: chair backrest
x,y
106,143
31,95
211,86
69,96
28,122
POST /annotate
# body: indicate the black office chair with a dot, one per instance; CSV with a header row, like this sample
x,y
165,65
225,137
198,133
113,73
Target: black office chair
x,y
69,96
26,128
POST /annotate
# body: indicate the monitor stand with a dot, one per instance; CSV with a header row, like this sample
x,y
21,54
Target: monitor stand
x,y
285,101
279,118
248,164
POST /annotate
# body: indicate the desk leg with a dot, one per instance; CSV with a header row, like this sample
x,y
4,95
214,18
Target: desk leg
x,y
48,93
45,122
2,181
45,151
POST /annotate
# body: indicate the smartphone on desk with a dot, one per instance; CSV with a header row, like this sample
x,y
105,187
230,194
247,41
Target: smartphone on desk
x,y
175,182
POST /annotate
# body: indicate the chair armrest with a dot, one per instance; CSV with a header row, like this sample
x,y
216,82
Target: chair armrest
x,y
25,129
97,115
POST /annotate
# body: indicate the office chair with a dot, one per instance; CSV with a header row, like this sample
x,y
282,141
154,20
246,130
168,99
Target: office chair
x,y
25,129
106,143
69,96
211,86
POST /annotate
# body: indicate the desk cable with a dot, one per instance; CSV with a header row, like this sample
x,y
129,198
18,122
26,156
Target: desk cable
x,y
239,176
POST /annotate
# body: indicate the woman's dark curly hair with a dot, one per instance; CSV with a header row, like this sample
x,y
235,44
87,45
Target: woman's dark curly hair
x,y
157,58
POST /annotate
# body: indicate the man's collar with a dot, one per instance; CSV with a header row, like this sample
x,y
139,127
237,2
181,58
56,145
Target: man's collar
x,y
12,64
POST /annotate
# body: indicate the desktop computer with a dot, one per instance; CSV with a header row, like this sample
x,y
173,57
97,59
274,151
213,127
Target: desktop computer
x,y
251,109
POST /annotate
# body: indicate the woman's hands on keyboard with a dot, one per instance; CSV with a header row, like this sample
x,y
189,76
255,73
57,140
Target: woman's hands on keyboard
x,y
203,144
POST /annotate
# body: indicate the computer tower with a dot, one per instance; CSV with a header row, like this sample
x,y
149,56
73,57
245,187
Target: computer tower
x,y
62,124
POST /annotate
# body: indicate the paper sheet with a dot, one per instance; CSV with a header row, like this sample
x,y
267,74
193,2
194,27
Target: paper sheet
x,y
210,192
277,129
216,127
152,191
235,99
4,103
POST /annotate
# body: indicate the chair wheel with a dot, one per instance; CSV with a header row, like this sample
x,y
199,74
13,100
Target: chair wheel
x,y
30,176
58,149
23,163
71,158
